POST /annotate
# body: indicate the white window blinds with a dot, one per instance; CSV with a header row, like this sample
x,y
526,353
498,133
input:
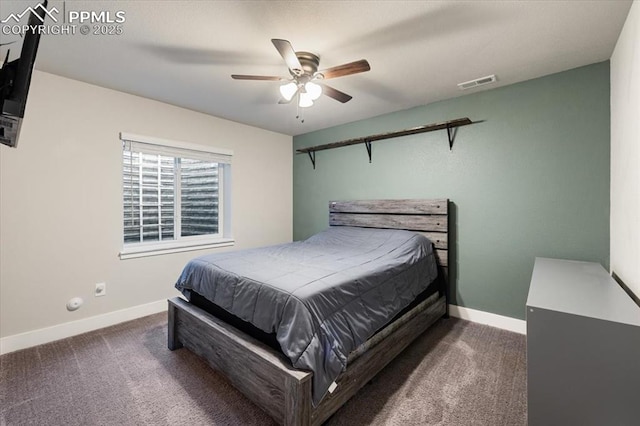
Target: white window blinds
x,y
171,193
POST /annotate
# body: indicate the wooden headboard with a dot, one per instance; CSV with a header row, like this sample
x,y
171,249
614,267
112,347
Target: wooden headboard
x,y
427,217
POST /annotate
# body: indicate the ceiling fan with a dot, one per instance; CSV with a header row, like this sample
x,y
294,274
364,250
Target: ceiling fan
x,y
306,80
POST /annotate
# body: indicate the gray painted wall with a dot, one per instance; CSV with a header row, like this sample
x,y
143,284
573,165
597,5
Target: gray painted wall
x,y
531,180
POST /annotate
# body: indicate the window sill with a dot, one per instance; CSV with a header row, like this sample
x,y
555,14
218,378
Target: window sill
x,y
155,250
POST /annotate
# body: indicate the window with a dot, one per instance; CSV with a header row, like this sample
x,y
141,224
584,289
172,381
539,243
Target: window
x,y
175,196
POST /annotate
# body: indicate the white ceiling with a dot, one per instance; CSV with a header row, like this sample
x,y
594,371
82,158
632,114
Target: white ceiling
x,y
183,52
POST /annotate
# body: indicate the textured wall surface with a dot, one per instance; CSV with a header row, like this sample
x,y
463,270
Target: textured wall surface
x,y
61,200
625,153
531,180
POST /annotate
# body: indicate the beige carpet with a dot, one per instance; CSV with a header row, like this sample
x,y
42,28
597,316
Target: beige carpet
x,y
457,373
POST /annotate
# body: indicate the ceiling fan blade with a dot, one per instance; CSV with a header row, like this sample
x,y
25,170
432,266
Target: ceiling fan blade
x,y
347,69
289,55
255,77
334,93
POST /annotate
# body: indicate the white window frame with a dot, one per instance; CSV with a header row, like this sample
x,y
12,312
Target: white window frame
x,y
195,242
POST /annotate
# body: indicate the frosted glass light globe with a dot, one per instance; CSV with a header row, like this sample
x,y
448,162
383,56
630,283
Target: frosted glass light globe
x,y
305,100
288,90
313,90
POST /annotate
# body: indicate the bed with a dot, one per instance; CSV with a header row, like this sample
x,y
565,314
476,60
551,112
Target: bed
x,y
343,354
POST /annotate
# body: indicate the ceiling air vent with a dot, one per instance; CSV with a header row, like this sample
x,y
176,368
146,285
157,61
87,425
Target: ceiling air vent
x,y
477,82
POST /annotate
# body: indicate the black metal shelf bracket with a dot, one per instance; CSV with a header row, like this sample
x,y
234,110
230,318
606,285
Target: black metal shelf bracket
x,y
451,134
367,145
312,157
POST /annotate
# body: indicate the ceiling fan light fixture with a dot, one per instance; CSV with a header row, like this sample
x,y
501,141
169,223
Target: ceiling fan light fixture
x,y
313,90
303,70
288,90
305,100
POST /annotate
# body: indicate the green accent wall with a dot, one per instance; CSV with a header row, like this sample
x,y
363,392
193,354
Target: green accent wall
x,y
532,179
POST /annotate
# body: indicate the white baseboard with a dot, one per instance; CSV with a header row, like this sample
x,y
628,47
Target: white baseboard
x,y
73,328
498,321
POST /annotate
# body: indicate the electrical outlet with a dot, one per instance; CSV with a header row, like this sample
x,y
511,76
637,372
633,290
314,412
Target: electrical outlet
x,y
101,289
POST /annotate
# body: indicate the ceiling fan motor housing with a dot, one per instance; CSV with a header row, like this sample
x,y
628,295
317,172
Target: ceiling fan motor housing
x,y
309,62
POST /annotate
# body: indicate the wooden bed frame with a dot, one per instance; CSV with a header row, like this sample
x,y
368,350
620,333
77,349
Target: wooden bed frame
x,y
266,376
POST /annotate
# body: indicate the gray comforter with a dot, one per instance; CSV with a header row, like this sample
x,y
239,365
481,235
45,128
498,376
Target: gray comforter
x,y
322,297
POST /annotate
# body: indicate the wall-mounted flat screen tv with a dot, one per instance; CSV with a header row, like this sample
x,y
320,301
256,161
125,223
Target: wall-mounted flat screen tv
x,y
15,78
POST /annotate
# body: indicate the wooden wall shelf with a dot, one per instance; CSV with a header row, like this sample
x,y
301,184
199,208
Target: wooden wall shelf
x,y
448,125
